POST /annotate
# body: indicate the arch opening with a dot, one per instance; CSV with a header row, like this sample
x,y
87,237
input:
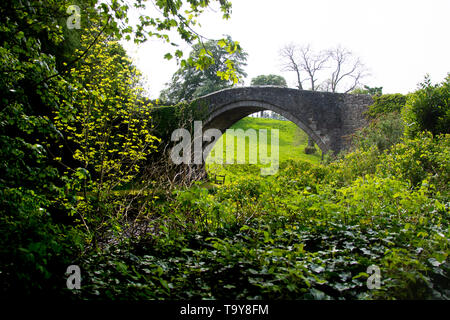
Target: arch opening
x,y
225,117
236,116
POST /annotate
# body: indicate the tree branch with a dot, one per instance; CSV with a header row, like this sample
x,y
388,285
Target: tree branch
x,y
67,67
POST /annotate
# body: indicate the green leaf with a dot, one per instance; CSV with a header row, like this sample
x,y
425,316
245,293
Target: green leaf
x,y
434,262
221,43
121,267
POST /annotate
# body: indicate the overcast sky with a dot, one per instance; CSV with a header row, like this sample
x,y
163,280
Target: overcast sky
x,y
399,41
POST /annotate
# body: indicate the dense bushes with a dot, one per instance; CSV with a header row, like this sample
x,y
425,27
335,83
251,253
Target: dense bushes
x,y
308,233
424,159
382,132
35,250
392,115
428,109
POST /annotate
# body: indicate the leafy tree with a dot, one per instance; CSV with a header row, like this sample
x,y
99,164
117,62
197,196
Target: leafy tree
x,y
39,232
428,109
34,247
190,81
269,80
107,124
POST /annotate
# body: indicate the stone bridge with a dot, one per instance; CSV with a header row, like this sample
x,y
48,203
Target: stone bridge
x,y
326,117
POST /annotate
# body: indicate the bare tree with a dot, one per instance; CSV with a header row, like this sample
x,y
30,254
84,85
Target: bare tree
x,y
291,62
311,63
304,60
348,70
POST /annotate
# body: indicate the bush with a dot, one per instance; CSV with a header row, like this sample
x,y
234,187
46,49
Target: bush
x,y
383,132
423,158
297,235
428,109
387,103
310,150
34,250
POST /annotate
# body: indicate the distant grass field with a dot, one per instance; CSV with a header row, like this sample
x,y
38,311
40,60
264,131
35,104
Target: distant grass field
x,y
292,142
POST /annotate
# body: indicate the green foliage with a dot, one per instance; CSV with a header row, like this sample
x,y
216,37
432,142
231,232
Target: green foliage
x,y
428,109
34,248
37,239
387,103
269,80
309,232
423,159
383,132
165,119
40,209
413,160
223,63
375,91
303,234
107,126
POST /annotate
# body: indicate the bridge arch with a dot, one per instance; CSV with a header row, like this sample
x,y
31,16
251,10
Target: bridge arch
x,y
226,116
326,117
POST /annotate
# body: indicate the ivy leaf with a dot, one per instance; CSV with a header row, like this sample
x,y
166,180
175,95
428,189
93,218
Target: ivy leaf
x,y
434,262
121,267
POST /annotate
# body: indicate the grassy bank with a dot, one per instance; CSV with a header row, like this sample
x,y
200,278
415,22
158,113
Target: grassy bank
x,y
292,143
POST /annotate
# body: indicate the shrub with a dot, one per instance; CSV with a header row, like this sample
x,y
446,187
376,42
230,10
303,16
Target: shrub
x,y
310,150
428,108
419,159
354,164
387,103
383,132
34,250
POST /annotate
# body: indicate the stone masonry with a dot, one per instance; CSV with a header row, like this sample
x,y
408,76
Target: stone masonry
x,y
328,118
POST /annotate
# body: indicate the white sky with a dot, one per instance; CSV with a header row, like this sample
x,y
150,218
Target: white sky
x,y
398,40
